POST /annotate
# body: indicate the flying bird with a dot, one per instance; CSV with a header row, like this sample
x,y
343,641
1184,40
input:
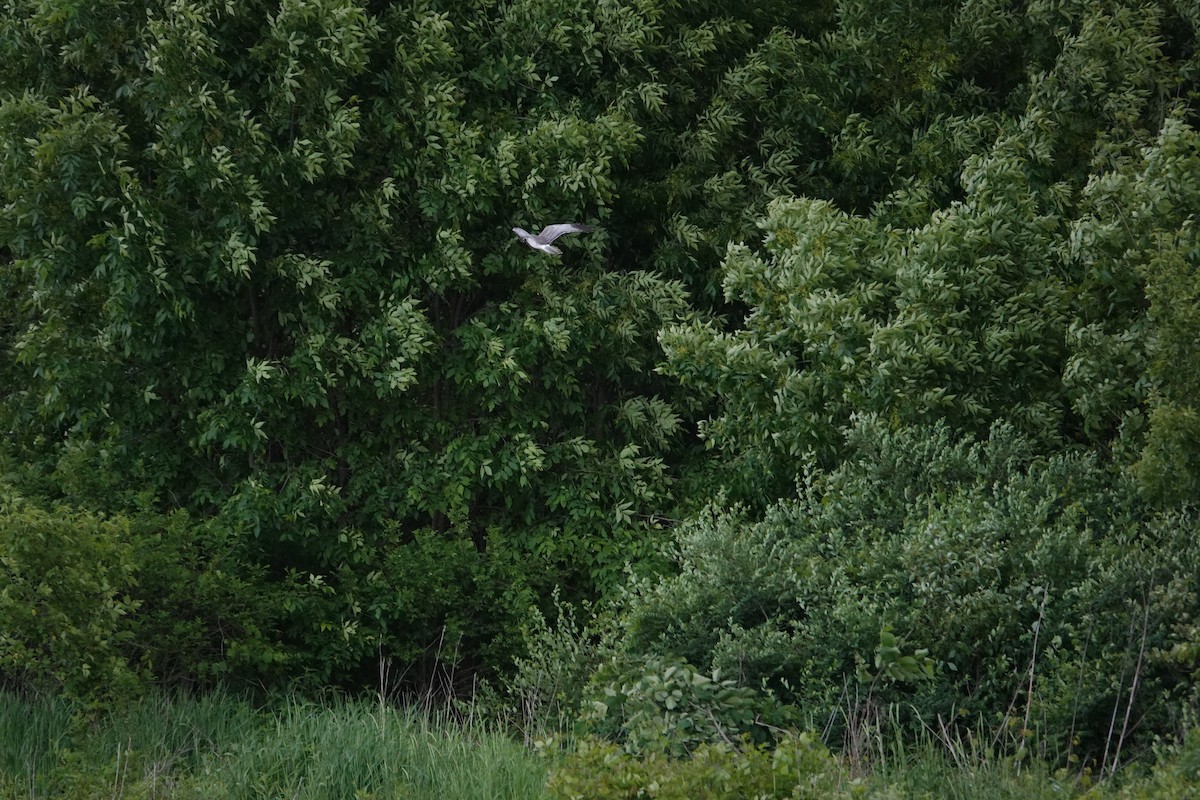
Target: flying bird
x,y
541,241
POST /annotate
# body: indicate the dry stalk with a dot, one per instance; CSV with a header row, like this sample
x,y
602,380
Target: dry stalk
x,y
1037,629
1137,674
955,752
1037,632
1112,722
861,716
1078,692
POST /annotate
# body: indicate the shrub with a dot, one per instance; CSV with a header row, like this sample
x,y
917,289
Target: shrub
x,y
546,688
440,607
97,605
1048,602
204,613
799,766
667,705
1175,776
64,583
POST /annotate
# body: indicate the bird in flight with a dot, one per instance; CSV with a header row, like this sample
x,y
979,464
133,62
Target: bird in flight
x,y
542,241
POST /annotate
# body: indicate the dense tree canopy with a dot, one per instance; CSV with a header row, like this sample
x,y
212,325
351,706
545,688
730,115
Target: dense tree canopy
x,y
262,320
266,271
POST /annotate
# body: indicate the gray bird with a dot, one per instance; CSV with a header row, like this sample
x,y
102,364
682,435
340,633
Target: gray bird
x,y
549,233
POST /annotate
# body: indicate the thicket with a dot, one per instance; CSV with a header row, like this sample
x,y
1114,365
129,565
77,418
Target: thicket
x,y
99,606
220,746
955,581
875,387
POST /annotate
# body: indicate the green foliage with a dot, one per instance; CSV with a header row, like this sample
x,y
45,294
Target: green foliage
x,y
894,665
957,320
796,767
255,264
1030,591
204,613
428,603
95,606
221,746
65,578
1161,204
666,705
1176,776
260,257
800,766
547,686
989,260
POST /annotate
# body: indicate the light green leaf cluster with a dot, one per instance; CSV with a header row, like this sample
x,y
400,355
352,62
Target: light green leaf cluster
x,y
999,270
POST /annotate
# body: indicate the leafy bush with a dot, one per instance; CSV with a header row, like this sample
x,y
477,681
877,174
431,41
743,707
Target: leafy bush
x,y
204,612
1175,775
798,766
1029,590
97,605
546,688
64,583
437,605
667,705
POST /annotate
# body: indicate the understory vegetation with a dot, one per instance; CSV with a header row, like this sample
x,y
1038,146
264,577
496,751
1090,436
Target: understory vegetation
x,y
220,746
217,746
853,452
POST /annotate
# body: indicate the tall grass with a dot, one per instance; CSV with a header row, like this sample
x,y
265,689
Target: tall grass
x,y
309,751
950,764
219,746
32,734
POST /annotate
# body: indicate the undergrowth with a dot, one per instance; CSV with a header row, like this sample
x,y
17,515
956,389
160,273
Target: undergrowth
x,y
218,746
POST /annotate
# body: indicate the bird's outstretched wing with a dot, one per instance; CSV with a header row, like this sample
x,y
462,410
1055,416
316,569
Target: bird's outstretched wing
x,y
551,232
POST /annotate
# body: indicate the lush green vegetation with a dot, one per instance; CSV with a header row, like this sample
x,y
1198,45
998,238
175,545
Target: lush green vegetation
x,y
860,441
219,746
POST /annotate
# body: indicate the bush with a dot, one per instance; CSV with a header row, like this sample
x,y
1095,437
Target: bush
x,y
1175,776
96,606
799,766
546,688
444,611
961,578
205,614
668,706
64,601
